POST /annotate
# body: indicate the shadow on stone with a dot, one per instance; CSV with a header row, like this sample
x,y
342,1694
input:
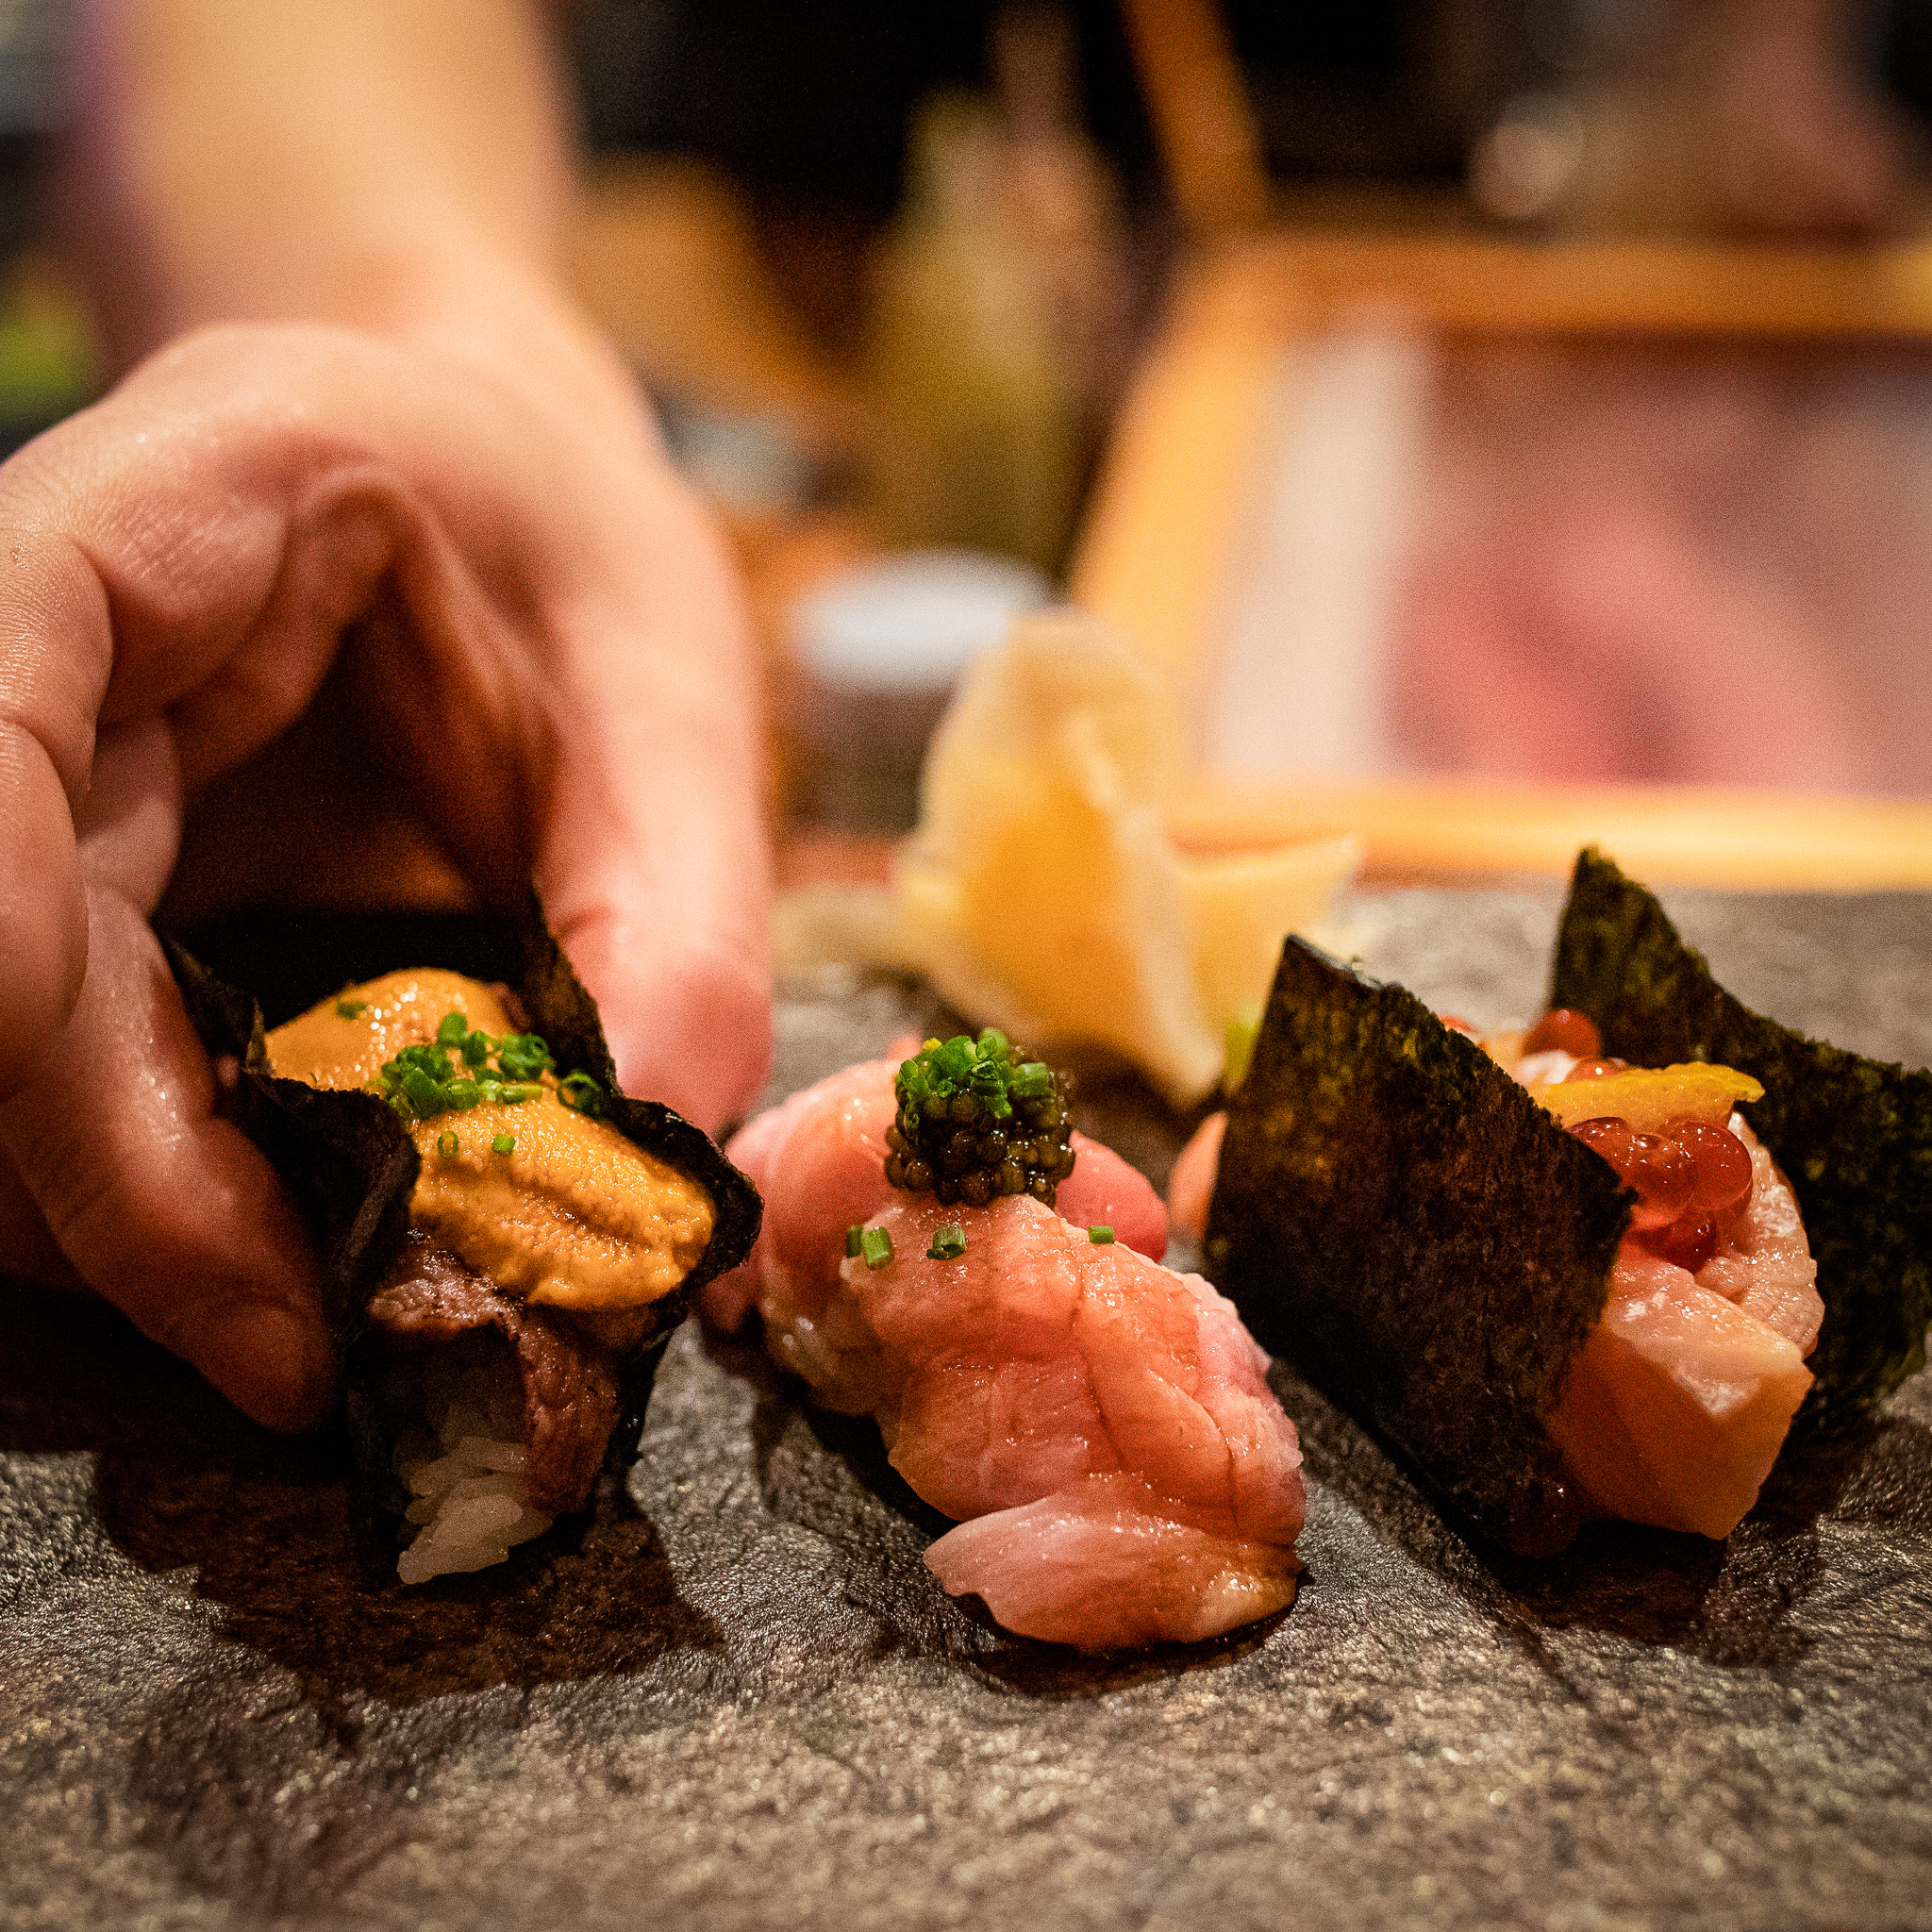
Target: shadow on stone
x,y
1727,1603
277,1532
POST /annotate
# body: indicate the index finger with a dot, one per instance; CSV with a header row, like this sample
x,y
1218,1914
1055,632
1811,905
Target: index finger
x,y
653,860
55,657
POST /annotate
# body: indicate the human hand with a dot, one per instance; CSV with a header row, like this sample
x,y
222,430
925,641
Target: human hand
x,y
507,637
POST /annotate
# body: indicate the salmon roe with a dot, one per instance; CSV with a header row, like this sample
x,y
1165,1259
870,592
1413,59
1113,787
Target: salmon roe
x,y
1560,1030
1684,1177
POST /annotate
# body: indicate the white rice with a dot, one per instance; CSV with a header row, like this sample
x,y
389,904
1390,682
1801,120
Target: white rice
x,y
464,1471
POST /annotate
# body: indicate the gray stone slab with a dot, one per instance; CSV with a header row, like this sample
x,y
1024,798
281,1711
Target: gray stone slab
x,y
736,1698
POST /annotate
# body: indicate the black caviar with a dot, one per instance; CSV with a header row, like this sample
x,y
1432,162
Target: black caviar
x,y
976,1120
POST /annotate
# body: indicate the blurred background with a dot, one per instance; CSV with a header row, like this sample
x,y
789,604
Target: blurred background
x,y
1522,390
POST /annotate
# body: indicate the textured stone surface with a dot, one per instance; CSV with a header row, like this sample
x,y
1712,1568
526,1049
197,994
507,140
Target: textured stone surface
x,y
737,1698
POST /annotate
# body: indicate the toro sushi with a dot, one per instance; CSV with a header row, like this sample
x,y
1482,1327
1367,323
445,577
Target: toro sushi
x,y
942,1252
1573,1273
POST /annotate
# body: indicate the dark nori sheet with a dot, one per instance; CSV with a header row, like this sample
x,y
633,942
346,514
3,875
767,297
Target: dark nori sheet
x,y
1399,1219
734,1697
1852,1135
346,1156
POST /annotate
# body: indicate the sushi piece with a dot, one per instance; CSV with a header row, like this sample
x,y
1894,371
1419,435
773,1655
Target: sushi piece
x,y
1100,1426
1852,1135
1677,1404
819,1159
509,1241
1559,1286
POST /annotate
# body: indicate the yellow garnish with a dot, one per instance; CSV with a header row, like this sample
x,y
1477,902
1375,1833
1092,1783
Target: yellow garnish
x,y
1647,1097
1043,892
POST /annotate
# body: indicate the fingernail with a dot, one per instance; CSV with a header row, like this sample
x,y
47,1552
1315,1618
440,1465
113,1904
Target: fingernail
x,y
272,1363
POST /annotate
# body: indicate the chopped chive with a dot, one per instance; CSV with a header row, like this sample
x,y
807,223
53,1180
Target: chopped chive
x,y
524,1055
422,1092
948,1244
954,1060
875,1244
1100,1236
351,1009
852,1237
447,1144
504,1143
581,1093
421,1081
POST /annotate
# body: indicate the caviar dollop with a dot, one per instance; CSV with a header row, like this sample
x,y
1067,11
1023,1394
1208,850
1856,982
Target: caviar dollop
x,y
977,1120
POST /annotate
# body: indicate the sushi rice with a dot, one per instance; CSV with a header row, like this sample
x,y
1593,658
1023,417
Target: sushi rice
x,y
464,1465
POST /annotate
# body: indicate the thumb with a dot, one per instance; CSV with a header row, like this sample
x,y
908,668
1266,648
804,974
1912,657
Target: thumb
x,y
162,1206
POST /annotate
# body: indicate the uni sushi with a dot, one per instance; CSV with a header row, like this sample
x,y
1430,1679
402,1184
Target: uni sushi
x,y
507,1238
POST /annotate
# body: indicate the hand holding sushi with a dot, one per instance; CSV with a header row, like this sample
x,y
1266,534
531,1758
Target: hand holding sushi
x,y
383,591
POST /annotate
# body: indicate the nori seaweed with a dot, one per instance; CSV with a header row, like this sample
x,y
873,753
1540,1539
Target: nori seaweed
x,y
346,1158
349,1161
1396,1216
1852,1136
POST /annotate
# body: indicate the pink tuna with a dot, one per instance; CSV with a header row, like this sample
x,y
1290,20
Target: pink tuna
x,y
819,1158
1103,1424
1677,1404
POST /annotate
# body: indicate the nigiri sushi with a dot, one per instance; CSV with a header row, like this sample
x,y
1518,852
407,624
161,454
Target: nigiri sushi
x,y
1101,1426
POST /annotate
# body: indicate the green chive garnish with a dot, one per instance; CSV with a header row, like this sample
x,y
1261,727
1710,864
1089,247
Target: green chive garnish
x,y
422,1092
448,1145
1100,1236
948,1244
524,1055
582,1093
851,1235
875,1244
504,1143
423,1080
351,1009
